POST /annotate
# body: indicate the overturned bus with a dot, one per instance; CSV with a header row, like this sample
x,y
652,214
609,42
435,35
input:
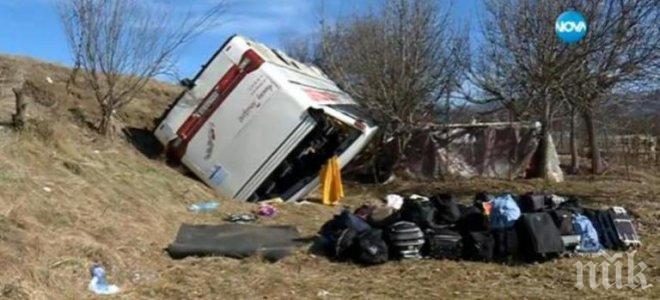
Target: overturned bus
x,y
256,124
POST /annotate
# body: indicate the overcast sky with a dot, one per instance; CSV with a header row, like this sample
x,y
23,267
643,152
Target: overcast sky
x,y
32,28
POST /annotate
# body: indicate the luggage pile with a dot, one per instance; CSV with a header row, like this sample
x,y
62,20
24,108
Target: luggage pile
x,y
501,228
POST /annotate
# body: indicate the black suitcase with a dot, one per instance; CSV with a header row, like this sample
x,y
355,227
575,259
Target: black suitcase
x,y
538,237
620,228
444,244
506,243
530,203
601,221
478,246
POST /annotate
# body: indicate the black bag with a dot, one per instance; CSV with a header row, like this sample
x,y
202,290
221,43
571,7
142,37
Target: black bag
x,y
538,237
600,219
572,205
563,220
371,248
530,203
478,246
420,212
447,208
384,216
344,245
444,244
472,219
332,230
506,243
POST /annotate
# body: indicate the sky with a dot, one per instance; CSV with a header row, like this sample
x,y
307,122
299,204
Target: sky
x,y
32,28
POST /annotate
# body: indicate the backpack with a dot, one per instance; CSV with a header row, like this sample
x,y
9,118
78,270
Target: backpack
x,y
588,235
419,211
563,220
371,249
478,246
406,238
447,210
538,237
505,212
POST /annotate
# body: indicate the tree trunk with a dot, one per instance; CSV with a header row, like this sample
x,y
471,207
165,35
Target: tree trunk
x,y
545,139
596,160
105,123
18,119
575,158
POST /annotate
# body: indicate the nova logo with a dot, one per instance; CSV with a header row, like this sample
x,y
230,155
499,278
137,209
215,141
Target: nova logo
x,y
571,26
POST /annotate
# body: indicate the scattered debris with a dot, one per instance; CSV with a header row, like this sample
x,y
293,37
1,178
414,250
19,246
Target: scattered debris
x,y
266,210
331,185
241,218
394,201
274,200
98,283
235,240
203,206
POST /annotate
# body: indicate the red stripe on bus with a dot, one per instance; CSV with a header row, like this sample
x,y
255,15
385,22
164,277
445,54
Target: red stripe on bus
x,y
214,99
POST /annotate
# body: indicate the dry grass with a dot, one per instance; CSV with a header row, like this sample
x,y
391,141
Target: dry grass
x,y
69,199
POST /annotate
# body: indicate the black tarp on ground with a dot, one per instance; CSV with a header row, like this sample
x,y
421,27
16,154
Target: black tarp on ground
x,y
235,240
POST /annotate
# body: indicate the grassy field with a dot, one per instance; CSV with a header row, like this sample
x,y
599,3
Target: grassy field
x,y
69,199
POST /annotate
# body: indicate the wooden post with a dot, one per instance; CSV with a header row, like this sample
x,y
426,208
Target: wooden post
x,y
18,119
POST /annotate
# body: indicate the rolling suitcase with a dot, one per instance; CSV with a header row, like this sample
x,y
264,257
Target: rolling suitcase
x,y
538,237
620,227
478,246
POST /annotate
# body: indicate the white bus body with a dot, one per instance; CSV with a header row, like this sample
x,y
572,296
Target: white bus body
x,y
256,124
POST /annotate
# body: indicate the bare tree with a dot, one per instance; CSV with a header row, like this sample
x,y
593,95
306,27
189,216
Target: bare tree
x,y
120,44
620,54
525,67
398,61
519,62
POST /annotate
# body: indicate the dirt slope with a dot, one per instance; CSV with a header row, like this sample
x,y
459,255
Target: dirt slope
x,y
69,199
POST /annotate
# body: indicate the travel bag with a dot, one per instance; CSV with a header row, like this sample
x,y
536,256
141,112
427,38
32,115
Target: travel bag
x,y
564,221
478,246
620,228
444,244
538,236
530,203
447,210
